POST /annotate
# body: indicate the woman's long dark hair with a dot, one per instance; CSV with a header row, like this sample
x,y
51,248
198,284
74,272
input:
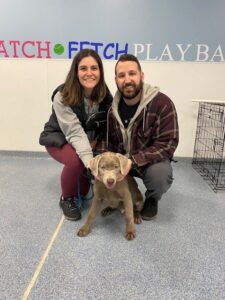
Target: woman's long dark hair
x,y
72,91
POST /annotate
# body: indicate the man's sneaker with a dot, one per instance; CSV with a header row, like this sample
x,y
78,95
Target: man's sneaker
x,y
70,209
150,209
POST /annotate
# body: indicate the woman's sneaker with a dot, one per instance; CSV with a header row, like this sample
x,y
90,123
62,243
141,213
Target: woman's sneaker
x,y
70,208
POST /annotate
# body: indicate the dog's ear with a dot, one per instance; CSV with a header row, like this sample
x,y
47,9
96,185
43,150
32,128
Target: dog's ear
x,y
93,165
125,164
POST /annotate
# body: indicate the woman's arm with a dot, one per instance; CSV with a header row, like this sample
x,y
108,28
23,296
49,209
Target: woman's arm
x,y
72,129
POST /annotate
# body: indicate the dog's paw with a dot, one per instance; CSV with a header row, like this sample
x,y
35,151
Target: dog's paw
x,y
130,235
137,218
107,211
83,231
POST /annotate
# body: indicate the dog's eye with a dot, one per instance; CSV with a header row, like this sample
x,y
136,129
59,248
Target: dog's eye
x,y
103,167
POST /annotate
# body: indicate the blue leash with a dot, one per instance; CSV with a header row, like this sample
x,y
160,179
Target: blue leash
x,y
81,200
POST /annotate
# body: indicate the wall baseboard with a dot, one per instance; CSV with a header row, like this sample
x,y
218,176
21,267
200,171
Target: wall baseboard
x,y
40,154
24,153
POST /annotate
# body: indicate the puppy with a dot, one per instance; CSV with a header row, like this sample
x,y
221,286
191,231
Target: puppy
x,y
116,187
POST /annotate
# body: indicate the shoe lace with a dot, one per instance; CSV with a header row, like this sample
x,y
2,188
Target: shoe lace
x,y
72,203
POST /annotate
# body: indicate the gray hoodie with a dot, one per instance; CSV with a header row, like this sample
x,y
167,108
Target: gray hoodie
x,y
72,129
148,93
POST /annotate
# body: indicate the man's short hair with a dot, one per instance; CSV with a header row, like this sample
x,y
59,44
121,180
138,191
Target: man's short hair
x,y
128,57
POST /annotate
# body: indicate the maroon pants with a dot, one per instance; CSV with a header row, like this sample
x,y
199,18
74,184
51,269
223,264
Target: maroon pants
x,y
72,173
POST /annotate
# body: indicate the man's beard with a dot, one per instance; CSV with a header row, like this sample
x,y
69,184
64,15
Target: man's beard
x,y
130,94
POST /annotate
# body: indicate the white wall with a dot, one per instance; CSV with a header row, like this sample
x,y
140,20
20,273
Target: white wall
x,y
26,87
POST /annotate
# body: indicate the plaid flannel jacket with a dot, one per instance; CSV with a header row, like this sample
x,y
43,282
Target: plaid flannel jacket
x,y
154,135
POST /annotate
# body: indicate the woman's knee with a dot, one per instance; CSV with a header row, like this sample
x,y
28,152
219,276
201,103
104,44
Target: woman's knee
x,y
66,155
73,161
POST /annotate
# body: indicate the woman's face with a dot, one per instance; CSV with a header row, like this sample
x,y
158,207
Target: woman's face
x,y
88,74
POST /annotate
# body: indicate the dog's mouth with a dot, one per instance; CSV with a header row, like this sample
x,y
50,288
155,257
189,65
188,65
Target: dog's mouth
x,y
110,185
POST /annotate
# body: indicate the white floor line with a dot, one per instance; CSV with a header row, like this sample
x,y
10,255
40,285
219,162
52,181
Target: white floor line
x,y
42,261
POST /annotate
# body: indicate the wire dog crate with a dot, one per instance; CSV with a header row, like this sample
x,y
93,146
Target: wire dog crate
x,y
209,151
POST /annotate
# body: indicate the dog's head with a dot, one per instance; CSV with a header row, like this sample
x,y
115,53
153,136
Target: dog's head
x,y
110,168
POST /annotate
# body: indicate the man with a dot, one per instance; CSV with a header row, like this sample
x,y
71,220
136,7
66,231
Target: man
x,y
142,124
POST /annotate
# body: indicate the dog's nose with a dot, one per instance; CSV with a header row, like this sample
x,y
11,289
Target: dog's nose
x,y
110,180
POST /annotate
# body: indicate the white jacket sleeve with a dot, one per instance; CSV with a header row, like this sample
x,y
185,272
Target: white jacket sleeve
x,y
72,129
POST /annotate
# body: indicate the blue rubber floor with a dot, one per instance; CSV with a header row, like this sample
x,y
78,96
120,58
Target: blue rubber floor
x,y
178,255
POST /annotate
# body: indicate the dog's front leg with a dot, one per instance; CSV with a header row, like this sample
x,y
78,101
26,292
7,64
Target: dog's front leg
x,y
86,228
129,214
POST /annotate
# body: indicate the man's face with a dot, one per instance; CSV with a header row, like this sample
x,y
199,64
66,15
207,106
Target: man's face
x,y
129,79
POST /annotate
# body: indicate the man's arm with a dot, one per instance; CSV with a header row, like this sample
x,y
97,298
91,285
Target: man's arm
x,y
166,137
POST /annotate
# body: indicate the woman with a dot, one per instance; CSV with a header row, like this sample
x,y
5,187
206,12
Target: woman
x,y
67,136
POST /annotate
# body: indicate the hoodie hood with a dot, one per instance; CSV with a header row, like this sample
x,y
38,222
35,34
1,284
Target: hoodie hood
x,y
148,93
